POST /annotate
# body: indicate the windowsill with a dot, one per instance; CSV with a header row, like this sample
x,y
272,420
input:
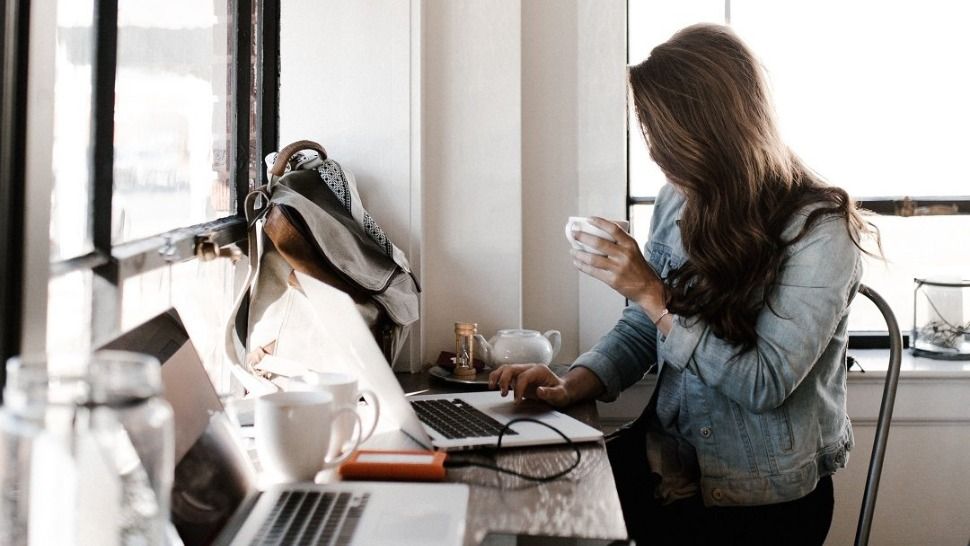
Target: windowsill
x,y
876,361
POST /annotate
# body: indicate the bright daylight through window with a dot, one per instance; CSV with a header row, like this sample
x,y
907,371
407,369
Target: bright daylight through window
x,y
871,95
174,86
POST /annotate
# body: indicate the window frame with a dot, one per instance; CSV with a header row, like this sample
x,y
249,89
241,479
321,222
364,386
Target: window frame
x,y
903,206
112,264
14,30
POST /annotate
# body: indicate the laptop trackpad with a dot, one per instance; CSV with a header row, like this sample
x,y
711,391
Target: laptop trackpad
x,y
398,527
508,408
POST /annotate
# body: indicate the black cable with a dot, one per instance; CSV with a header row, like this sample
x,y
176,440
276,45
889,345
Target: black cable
x,y
450,462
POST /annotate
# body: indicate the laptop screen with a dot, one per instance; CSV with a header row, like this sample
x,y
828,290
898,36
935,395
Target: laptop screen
x,y
212,472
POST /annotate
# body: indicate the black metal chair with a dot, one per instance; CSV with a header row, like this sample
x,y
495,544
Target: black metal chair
x,y
885,416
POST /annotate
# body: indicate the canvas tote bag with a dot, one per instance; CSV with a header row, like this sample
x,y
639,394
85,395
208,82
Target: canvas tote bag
x,y
309,218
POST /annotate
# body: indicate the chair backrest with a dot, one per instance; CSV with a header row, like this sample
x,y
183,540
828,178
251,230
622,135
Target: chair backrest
x,y
885,416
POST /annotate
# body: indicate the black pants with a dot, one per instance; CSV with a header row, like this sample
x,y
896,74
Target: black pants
x,y
803,521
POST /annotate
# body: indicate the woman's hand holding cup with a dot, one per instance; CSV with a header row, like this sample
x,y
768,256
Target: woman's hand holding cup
x,y
618,262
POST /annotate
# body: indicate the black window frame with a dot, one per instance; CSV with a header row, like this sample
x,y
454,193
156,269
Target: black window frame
x,y
904,206
14,29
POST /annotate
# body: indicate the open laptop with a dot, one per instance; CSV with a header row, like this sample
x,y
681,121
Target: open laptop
x,y
214,499
446,421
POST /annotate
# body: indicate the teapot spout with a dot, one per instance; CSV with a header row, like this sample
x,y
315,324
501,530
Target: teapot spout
x,y
484,348
555,339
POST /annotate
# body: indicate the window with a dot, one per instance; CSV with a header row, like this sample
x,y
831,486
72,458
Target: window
x,y
872,95
162,112
13,99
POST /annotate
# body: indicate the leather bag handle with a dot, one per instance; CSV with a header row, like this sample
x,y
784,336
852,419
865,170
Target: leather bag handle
x,y
279,166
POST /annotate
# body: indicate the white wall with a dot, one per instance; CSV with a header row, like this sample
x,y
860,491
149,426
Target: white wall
x,y
472,168
602,144
573,158
346,83
475,129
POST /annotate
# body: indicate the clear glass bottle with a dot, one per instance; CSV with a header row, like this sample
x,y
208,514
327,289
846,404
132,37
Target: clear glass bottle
x,y
86,451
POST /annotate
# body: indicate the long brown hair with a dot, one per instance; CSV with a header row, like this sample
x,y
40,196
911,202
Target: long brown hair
x,y
705,111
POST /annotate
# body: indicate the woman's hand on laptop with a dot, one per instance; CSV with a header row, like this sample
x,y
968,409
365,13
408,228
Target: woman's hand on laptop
x,y
538,382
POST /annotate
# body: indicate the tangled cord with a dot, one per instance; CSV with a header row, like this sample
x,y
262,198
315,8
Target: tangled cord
x,y
942,333
459,463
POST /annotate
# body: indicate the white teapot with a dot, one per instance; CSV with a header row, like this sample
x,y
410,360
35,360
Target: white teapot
x,y
515,346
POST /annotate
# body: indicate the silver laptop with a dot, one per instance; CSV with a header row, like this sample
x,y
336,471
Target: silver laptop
x,y
214,499
444,421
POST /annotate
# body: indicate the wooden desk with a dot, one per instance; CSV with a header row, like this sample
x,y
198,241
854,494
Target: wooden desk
x,y
582,504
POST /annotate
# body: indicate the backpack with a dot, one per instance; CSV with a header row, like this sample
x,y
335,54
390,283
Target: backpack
x,y
309,218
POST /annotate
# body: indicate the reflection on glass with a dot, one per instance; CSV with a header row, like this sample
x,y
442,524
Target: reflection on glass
x,y
172,116
70,228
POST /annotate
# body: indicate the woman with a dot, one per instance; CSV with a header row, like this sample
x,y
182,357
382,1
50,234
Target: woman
x,y
741,301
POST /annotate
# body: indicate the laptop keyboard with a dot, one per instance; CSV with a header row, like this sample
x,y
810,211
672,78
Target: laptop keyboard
x,y
456,419
313,517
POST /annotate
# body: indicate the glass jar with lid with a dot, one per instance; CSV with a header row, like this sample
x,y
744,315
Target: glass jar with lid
x,y
86,450
941,318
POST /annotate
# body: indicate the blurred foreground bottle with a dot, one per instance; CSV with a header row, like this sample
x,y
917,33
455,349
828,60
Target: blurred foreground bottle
x,y
86,451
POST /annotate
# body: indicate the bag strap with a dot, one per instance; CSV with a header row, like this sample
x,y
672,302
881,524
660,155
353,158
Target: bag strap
x,y
256,205
279,166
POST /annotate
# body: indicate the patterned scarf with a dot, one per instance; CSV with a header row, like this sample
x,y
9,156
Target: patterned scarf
x,y
344,186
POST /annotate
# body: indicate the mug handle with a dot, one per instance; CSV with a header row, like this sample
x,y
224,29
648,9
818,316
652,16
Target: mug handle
x,y
354,440
371,399
569,233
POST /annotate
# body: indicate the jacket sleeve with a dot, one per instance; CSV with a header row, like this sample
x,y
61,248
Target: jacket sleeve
x,y
812,294
621,357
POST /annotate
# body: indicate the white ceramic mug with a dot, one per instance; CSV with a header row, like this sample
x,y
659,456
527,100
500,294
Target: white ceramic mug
x,y
345,393
581,223
294,433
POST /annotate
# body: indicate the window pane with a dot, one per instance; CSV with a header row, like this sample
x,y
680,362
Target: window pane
x,y
649,24
70,229
201,292
640,216
69,312
879,105
172,116
920,246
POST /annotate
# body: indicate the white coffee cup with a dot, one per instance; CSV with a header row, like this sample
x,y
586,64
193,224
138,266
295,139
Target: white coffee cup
x,y
345,393
581,223
294,432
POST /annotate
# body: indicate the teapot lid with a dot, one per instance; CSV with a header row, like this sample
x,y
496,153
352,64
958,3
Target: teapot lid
x,y
517,332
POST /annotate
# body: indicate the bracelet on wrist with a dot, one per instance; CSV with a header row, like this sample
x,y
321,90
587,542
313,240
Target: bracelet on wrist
x,y
661,317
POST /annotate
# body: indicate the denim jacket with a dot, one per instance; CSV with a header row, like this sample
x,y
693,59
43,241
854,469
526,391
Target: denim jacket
x,y
765,426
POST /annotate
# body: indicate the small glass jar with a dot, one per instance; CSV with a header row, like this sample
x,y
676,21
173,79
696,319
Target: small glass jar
x,y
941,318
465,348
86,450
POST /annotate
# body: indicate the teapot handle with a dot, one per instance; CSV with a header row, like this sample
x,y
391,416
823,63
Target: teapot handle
x,y
555,338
